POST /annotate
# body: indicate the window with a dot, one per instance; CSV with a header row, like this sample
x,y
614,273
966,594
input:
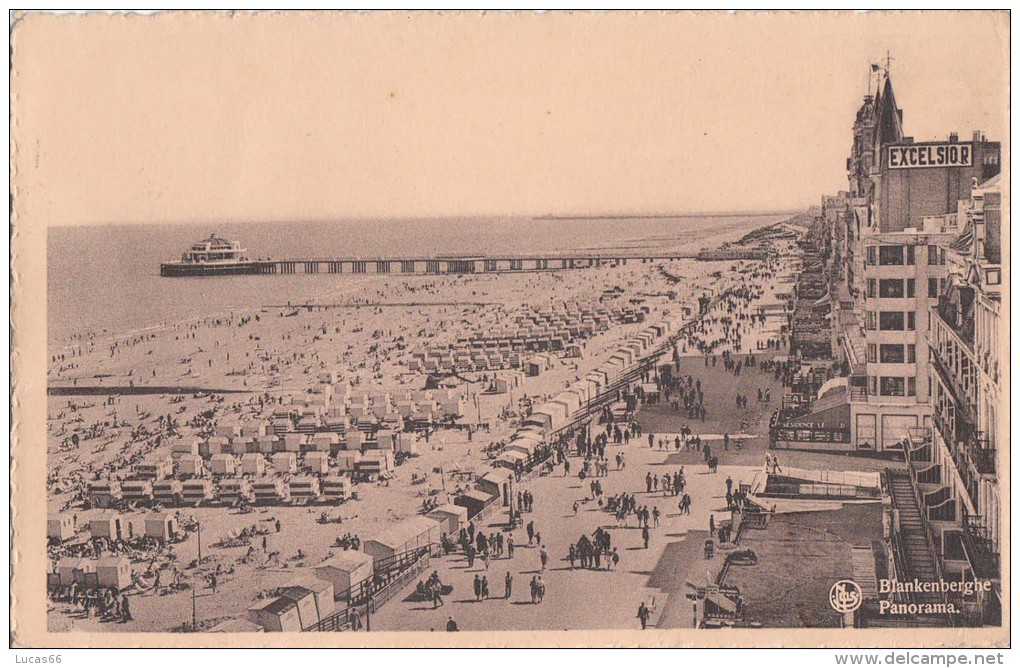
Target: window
x,y
933,254
911,386
993,277
891,353
890,321
910,287
892,386
871,353
910,254
890,288
933,288
872,288
872,255
872,385
889,255
911,353
872,323
910,321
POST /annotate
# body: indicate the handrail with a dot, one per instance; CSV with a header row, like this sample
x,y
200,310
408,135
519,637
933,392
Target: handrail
x,y
929,540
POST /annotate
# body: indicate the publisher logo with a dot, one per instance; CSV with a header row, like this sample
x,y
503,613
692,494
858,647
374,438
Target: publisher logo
x,y
845,596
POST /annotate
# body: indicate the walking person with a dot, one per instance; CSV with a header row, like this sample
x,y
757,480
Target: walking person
x,y
509,582
645,535
643,613
543,556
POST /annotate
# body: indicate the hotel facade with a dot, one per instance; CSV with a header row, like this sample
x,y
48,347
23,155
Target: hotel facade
x,y
913,259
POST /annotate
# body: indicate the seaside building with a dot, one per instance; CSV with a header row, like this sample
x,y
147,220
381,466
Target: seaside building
x,y
884,246
956,463
913,252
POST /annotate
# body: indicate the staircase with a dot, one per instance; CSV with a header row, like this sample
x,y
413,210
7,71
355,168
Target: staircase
x,y
915,552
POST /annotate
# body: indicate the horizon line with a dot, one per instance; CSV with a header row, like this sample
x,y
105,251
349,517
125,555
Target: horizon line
x,y
370,219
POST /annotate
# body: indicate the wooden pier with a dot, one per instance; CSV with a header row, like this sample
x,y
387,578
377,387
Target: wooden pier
x,y
451,264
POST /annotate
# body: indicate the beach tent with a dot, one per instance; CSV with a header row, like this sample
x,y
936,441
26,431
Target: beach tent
x,y
105,494
190,465
285,462
325,442
406,536
317,462
137,490
234,489
511,459
228,429
60,527
240,445
223,464
525,443
155,467
322,592
304,488
162,526
336,487
475,501
492,482
353,440
345,570
167,492
407,443
570,401
346,459
270,490
197,491
541,419
276,614
267,445
111,527
113,572
253,463
73,569
451,518
308,613
188,446
374,462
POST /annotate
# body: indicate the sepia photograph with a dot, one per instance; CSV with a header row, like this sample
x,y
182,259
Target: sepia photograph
x,y
572,329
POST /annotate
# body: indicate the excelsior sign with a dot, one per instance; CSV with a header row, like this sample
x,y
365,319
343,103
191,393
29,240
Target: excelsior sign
x,y
942,154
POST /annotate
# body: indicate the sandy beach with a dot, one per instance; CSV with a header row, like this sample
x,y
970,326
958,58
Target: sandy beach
x,y
365,336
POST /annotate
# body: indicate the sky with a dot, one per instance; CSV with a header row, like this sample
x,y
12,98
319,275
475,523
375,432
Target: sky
x,y
195,119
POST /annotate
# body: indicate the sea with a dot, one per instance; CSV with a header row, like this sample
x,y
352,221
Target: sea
x,y
103,280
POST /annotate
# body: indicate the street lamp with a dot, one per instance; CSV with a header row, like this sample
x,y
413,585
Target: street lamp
x,y
510,495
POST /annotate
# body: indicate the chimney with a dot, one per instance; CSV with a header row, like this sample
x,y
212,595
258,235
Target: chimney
x,y
953,137
978,137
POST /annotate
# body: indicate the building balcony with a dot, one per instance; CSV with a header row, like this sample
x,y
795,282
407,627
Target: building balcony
x,y
982,458
965,399
980,548
959,318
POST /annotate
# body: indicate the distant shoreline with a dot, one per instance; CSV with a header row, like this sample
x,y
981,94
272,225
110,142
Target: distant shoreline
x,y
661,216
